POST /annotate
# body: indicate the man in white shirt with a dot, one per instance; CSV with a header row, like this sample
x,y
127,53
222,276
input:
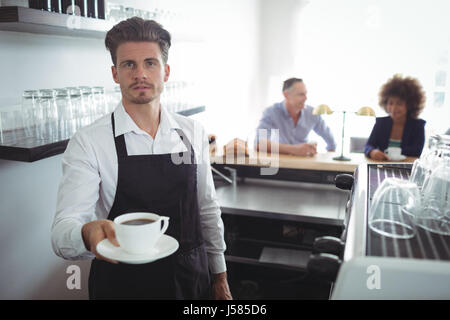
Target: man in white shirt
x,y
124,162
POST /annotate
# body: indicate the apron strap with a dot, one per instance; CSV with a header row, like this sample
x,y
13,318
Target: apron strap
x,y
121,148
187,143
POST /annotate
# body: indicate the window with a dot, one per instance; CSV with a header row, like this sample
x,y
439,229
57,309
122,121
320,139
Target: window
x,y
346,50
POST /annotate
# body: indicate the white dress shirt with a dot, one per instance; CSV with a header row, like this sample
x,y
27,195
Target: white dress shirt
x,y
88,185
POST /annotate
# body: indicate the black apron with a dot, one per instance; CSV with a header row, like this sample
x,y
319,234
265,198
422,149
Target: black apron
x,y
154,183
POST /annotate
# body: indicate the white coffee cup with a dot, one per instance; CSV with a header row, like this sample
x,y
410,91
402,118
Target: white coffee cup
x,y
393,152
137,236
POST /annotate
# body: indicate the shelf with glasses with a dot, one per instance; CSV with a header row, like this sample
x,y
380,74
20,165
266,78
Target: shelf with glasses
x,y
17,146
22,19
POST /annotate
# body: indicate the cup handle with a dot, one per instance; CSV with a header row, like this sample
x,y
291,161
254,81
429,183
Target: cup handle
x,y
165,221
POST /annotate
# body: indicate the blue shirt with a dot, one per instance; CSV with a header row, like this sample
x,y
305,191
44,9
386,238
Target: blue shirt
x,y
277,117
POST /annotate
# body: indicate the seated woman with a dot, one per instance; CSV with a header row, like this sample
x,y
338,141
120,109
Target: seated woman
x,y
403,99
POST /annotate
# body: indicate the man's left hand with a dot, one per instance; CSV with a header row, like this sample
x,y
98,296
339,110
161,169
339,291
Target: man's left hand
x,y
221,288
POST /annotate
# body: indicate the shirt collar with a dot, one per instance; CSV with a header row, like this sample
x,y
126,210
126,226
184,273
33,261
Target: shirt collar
x,y
286,113
124,123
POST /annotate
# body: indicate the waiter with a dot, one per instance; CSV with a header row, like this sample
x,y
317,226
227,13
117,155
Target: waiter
x,y
129,161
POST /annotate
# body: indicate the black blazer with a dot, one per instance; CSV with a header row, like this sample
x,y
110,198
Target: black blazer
x,y
412,141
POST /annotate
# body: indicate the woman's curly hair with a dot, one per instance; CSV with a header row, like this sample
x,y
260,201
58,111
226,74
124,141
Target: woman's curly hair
x,y
407,89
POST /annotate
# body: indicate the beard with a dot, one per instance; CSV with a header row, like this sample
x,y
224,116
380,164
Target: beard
x,y
143,97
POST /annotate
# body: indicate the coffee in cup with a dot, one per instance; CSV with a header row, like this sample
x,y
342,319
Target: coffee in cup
x,y
138,232
138,222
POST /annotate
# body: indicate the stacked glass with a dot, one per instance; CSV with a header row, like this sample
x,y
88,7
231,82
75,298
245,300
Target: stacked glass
x,y
99,103
116,13
55,114
431,172
176,95
66,120
47,115
399,206
29,105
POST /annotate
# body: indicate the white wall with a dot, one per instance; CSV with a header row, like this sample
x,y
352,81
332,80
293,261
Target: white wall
x,y
30,61
346,50
222,57
28,268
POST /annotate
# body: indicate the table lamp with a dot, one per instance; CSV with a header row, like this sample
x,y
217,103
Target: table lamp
x,y
363,111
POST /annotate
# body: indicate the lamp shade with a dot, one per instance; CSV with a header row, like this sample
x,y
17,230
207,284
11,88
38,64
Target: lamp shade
x,y
322,109
366,111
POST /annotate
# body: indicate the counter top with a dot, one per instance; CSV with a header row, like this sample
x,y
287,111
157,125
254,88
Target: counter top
x,y
284,200
320,161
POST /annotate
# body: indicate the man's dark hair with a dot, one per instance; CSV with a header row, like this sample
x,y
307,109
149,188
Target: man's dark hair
x,y
138,30
289,82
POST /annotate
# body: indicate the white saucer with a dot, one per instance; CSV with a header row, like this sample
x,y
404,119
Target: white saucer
x,y
399,158
165,246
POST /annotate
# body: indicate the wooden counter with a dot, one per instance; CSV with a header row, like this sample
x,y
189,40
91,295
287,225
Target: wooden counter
x,y
320,161
320,168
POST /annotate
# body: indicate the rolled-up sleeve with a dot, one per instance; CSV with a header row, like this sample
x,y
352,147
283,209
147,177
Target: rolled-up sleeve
x,y
77,197
210,214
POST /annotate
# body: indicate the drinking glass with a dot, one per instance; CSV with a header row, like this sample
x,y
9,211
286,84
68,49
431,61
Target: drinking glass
x,y
438,155
140,13
87,98
29,101
115,12
422,167
167,97
113,98
99,102
418,172
66,119
129,12
10,122
157,15
47,115
78,112
150,15
435,214
176,96
387,215
183,95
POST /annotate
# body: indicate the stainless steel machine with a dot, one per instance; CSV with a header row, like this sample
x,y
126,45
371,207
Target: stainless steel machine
x,y
378,267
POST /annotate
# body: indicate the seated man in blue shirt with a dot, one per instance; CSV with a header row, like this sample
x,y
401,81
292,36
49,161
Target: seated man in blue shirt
x,y
294,120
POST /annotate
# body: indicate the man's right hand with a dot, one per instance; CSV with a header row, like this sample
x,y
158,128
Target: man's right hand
x,y
378,155
94,232
304,149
